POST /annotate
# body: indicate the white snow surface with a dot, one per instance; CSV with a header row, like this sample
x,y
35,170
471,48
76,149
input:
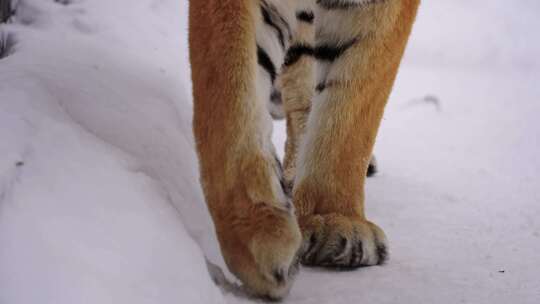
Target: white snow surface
x,y
99,193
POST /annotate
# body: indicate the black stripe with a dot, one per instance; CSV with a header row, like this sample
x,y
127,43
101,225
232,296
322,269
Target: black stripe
x,y
344,4
305,16
275,17
268,20
295,52
327,52
264,60
286,25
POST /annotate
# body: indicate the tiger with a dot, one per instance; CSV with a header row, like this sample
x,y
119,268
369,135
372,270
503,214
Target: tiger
x,y
327,67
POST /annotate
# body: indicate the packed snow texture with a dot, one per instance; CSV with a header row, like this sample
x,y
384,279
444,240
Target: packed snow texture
x,y
99,193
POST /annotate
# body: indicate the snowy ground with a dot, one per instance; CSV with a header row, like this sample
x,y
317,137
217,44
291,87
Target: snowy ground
x,y
99,199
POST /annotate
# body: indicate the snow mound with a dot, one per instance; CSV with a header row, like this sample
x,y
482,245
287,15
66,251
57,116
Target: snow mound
x,y
99,194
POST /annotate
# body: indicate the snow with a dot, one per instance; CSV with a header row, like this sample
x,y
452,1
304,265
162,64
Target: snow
x,y
99,193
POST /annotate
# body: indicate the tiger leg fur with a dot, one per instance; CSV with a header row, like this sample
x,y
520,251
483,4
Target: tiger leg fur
x,y
254,220
297,84
358,49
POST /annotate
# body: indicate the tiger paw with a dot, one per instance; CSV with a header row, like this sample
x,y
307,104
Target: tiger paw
x,y
260,247
337,241
256,227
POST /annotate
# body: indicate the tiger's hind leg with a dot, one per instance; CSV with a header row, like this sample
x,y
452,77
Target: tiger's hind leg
x,y
358,48
297,84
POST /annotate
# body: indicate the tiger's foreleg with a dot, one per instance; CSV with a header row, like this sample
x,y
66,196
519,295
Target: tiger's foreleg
x,y
359,45
257,230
